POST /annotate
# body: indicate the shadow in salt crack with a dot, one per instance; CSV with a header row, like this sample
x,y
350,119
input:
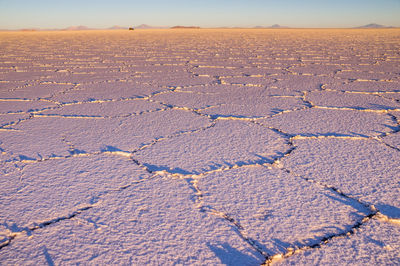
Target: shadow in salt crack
x,y
334,134
277,110
17,229
393,128
110,149
215,116
46,254
376,242
212,166
362,135
76,152
382,107
176,170
361,209
281,245
23,157
264,160
231,256
388,210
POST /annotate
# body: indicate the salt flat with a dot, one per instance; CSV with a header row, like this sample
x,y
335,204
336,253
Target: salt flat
x,y
228,146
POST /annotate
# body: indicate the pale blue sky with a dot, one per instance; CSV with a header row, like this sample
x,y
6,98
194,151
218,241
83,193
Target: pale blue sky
x,y
16,14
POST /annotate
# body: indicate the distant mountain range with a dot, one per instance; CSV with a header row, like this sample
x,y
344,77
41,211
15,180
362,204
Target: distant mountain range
x,y
374,26
145,26
142,27
275,26
185,27
118,28
77,28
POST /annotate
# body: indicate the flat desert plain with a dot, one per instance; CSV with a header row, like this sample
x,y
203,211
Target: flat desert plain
x,y
205,147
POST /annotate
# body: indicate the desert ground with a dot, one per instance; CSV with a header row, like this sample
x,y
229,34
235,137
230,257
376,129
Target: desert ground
x,y
205,147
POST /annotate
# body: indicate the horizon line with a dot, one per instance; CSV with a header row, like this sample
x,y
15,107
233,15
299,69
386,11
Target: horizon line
x,y
145,26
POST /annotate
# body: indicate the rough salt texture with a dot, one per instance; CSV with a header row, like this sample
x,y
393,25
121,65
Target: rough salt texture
x,y
356,101
332,122
363,169
373,244
227,144
204,147
152,222
38,195
278,209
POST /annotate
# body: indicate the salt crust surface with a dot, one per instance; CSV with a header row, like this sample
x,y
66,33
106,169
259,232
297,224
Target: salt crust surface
x,y
235,147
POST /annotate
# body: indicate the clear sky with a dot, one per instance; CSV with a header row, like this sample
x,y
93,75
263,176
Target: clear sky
x,y
16,14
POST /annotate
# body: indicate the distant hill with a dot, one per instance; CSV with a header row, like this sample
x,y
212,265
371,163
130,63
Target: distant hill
x,y
275,26
33,29
374,26
117,28
77,28
145,26
185,27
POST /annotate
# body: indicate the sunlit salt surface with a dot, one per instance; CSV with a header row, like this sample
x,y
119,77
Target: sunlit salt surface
x,y
237,147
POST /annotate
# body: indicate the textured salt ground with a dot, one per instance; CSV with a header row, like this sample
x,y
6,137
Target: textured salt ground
x,y
363,169
231,101
7,119
266,107
317,69
367,75
351,100
106,91
375,243
184,79
61,77
248,81
105,109
393,140
278,209
37,194
302,82
158,214
28,76
380,66
366,86
236,72
44,138
332,122
19,106
34,91
154,80
7,86
200,187
224,145
285,92
168,67
270,90
393,96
